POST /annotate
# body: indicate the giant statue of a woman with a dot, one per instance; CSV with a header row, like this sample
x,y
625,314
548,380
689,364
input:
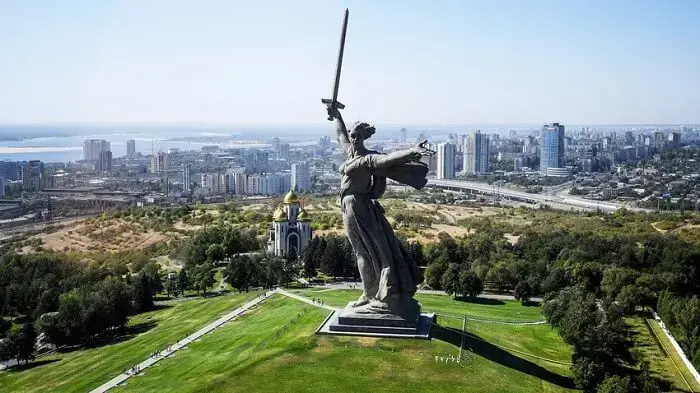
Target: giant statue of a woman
x,y
389,275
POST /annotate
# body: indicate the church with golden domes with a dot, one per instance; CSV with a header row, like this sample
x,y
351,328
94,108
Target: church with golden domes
x,y
291,227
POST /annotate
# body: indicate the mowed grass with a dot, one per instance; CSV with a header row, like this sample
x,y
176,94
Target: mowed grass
x,y
494,310
273,348
86,369
659,353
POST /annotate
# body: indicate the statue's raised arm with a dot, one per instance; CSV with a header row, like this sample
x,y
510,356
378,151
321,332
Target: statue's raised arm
x,y
341,131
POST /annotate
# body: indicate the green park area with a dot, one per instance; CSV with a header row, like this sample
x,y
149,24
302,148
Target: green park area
x,y
274,349
87,368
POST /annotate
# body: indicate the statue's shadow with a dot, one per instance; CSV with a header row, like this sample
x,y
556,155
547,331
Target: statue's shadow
x,y
500,356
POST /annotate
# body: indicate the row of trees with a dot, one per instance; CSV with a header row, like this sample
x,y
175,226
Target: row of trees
x,y
70,301
213,244
597,333
682,316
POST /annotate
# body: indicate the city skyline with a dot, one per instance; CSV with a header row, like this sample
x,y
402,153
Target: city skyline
x,y
461,63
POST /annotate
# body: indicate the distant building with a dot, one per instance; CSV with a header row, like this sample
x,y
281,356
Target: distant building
x,y
291,228
210,182
11,170
275,144
104,164
93,147
300,179
210,149
159,162
2,187
403,136
187,178
552,149
445,161
239,183
284,150
518,163
130,148
33,176
476,154
674,139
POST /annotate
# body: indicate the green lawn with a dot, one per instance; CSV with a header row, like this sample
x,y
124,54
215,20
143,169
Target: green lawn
x,y
83,370
658,352
273,348
496,310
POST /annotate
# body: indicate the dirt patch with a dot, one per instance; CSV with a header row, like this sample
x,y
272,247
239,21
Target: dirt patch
x,y
113,236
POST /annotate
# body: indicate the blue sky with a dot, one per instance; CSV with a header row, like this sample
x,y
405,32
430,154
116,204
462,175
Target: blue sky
x,y
406,62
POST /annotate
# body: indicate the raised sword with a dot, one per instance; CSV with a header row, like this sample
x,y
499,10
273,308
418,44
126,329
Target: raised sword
x,y
333,102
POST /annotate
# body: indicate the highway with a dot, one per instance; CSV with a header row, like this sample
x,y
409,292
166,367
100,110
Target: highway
x,y
509,193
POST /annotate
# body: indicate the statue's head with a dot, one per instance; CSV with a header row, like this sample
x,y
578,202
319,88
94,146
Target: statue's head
x,y
360,132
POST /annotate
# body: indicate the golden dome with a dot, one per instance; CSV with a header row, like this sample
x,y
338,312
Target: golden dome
x,y
303,215
279,215
291,197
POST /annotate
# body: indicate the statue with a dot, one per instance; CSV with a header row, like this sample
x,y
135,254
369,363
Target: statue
x,y
389,276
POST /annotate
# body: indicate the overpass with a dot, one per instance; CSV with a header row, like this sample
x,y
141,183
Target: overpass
x,y
508,193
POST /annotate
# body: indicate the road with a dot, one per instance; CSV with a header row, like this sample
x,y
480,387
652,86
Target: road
x,y
556,197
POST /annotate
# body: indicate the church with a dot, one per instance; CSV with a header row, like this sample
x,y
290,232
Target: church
x,y
291,227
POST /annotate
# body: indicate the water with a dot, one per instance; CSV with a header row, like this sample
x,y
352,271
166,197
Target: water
x,y
66,144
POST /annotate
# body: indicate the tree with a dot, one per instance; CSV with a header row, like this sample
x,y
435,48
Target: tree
x,y
616,384
25,342
629,298
240,273
435,271
450,280
8,348
501,276
203,278
523,292
183,280
470,284
587,374
215,253
614,279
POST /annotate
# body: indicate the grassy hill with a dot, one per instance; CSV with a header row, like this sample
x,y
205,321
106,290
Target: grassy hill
x,y
274,349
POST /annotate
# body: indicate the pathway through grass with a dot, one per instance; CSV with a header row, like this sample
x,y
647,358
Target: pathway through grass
x,y
85,369
273,348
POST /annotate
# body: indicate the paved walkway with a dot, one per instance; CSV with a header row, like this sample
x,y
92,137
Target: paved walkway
x,y
304,299
357,285
182,343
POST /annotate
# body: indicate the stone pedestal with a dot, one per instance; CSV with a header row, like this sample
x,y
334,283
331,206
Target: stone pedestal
x,y
348,322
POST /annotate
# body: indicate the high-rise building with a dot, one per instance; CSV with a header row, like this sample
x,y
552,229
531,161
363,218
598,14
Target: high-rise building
x,y
674,139
239,183
186,178
130,148
403,135
275,144
446,161
104,164
476,154
2,187
552,149
33,176
284,150
93,147
301,181
11,170
159,162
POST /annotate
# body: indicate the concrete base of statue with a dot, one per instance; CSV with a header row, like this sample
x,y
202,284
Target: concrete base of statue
x,y
356,321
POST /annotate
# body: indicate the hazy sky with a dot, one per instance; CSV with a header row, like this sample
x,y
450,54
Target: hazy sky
x,y
406,62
